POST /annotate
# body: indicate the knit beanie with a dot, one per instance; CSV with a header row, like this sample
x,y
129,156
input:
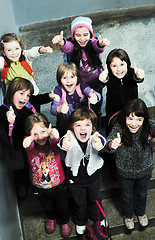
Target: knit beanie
x,y
81,22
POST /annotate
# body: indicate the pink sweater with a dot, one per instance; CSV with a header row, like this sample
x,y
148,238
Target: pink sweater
x,y
45,171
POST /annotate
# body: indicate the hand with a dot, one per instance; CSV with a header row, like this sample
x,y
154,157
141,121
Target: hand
x,y
11,115
63,108
52,132
45,50
54,97
66,142
103,41
139,72
58,39
98,145
27,141
116,142
103,77
93,99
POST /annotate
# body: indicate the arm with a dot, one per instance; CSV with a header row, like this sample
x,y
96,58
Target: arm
x,y
1,63
139,74
35,52
99,142
90,93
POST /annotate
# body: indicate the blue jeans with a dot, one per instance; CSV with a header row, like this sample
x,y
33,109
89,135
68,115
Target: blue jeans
x,y
133,195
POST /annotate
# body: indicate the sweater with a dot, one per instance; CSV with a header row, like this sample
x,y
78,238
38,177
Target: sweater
x,y
133,161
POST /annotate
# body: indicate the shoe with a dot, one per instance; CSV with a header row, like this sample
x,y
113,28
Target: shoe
x,y
143,220
129,223
50,226
65,230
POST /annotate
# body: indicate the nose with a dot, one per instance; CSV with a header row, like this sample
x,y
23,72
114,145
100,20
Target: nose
x,y
118,68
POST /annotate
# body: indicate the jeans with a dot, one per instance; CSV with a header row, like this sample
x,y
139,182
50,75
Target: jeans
x,y
133,195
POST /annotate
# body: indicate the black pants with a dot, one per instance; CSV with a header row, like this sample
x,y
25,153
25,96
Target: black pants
x,y
84,205
54,202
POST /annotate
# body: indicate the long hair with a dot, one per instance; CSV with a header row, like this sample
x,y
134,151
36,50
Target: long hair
x,y
65,67
139,108
82,114
9,37
119,53
17,84
92,58
29,124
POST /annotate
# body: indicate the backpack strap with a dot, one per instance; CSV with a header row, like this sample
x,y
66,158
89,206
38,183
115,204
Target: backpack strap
x,y
11,126
4,71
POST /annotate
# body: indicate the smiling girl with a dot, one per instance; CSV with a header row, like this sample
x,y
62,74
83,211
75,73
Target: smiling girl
x,y
121,81
73,95
84,166
134,159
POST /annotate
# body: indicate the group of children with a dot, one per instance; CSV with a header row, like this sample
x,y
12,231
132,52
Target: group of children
x,y
76,102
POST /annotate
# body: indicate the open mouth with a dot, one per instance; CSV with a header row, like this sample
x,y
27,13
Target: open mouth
x,y
69,85
83,135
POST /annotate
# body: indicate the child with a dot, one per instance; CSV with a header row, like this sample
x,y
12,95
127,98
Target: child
x,y
16,62
46,172
122,81
84,166
84,49
73,95
13,115
134,159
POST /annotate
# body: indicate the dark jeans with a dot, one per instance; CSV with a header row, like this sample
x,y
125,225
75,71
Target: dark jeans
x,y
54,202
84,202
133,195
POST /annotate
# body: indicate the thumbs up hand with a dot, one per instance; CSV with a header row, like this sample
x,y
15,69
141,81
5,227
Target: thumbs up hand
x,y
58,39
103,77
53,132
66,142
54,97
27,141
93,97
97,142
11,115
114,144
139,72
103,41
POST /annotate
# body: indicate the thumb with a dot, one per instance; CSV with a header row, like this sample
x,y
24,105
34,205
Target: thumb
x,y
96,137
91,92
119,137
105,67
68,135
135,67
11,109
61,33
65,101
49,128
100,38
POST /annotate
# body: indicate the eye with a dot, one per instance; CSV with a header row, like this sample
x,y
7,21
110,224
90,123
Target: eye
x,y
29,95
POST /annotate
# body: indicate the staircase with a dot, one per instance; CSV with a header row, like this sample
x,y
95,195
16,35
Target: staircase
x,y
32,218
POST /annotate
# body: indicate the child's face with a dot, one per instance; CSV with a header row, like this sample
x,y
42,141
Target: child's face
x,y
134,123
118,67
83,129
39,133
12,50
82,36
69,82
21,98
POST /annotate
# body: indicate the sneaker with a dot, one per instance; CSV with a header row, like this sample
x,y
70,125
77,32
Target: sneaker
x,y
129,223
50,226
143,220
65,230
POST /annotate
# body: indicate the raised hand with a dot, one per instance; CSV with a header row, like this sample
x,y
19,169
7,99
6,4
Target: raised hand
x,y
93,97
98,145
11,115
54,97
139,72
103,41
45,50
27,141
103,77
114,144
66,142
58,39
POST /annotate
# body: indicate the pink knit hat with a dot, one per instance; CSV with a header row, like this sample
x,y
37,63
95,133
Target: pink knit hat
x,y
81,22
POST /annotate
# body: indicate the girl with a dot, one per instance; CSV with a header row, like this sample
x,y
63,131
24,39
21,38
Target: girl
x,y
13,115
84,166
73,95
16,62
46,172
122,81
84,49
134,159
